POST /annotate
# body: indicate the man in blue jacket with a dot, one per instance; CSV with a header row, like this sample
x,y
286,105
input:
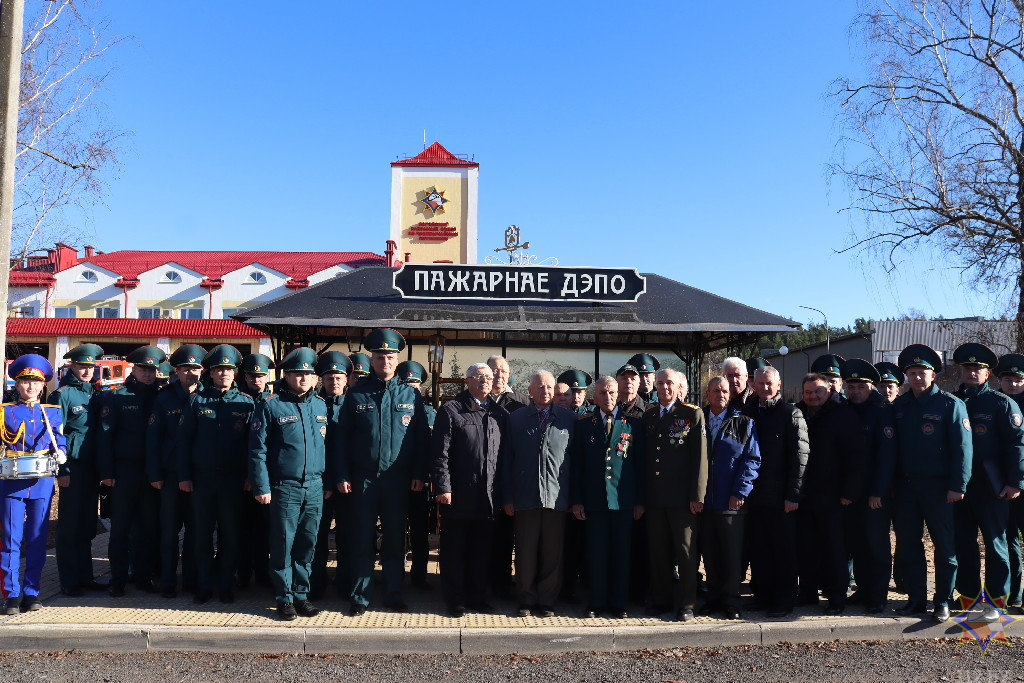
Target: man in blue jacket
x,y
733,462
286,468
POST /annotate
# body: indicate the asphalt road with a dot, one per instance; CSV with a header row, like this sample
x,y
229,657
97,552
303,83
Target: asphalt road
x,y
927,660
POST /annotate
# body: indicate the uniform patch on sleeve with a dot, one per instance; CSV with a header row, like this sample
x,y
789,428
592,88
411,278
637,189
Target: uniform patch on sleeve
x,y
406,420
207,412
1016,419
405,406
285,419
321,418
77,409
256,424
967,423
323,431
889,432
365,407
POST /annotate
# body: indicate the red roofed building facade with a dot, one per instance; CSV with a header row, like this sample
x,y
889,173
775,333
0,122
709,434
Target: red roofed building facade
x,y
125,299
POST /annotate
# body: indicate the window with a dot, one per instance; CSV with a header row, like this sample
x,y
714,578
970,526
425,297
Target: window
x,y
191,314
171,276
149,313
87,276
24,311
228,312
65,312
255,278
107,312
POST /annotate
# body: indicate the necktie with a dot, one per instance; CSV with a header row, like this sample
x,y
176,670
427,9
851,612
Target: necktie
x,y
608,425
543,419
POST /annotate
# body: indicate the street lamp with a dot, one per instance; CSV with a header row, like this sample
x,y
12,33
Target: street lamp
x,y
826,325
435,358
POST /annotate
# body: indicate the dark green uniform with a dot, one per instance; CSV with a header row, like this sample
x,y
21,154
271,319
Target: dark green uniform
x,y
336,509
122,457
212,454
286,460
76,505
382,449
254,525
933,456
998,444
175,504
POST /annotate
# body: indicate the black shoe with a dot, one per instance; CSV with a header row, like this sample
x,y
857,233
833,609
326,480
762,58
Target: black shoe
x,y
286,611
397,606
733,614
147,587
708,608
912,609
855,598
226,596
779,612
356,610
524,611
655,610
30,603
169,593
619,614
202,596
73,591
304,608
12,605
941,614
95,585
481,607
590,613
875,608
543,611
117,590
684,615
457,611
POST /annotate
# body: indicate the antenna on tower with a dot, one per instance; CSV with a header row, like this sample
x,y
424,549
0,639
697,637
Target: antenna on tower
x,y
424,138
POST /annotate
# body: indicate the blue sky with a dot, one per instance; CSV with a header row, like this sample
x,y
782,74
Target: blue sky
x,y
688,139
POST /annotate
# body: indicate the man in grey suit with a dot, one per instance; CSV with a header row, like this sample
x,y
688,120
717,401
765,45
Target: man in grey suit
x,y
535,490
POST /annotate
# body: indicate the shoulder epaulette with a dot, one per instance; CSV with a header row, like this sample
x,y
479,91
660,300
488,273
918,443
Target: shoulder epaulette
x,y
320,397
50,405
587,416
691,406
269,396
60,389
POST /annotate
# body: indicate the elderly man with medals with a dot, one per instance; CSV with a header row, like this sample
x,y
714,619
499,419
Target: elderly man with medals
x,y
33,443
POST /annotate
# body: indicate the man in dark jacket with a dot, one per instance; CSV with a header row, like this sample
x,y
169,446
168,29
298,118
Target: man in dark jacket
x,y
734,460
997,436
676,465
869,519
740,392
628,378
501,391
465,446
121,457
833,480
775,498
607,495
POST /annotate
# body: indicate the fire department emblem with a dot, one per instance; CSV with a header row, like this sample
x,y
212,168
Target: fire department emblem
x,y
434,200
406,420
1016,419
927,429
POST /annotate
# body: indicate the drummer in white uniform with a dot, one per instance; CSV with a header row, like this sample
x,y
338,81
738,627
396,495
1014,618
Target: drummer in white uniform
x,y
33,438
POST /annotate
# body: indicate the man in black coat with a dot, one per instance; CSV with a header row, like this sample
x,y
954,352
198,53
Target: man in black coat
x,y
465,445
834,478
772,505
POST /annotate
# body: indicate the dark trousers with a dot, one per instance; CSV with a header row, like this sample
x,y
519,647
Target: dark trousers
x,y
465,552
722,543
499,566
980,509
540,540
771,536
871,549
671,536
608,540
133,524
640,562
175,513
824,565
574,556
216,506
1013,531
419,528
76,525
294,520
328,517
388,505
918,502
253,541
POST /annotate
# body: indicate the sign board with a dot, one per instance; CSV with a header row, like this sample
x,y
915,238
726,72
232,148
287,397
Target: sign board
x,y
519,283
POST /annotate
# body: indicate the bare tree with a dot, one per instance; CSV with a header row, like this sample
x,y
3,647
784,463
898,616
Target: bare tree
x,y
935,151
63,140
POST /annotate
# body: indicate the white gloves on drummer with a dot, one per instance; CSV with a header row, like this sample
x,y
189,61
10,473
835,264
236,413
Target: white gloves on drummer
x,y
61,457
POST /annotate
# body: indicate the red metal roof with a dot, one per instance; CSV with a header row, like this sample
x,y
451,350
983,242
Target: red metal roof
x,y
435,155
30,278
298,265
129,327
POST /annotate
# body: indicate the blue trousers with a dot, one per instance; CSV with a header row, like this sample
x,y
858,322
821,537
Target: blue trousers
x,y
980,509
24,520
919,502
390,506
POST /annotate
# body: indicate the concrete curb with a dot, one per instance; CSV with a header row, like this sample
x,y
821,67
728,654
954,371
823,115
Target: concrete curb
x,y
269,639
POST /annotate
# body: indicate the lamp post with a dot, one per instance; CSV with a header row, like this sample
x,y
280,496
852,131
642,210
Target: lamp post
x,y
826,325
783,351
435,358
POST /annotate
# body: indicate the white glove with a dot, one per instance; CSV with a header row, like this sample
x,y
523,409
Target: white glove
x,y
61,457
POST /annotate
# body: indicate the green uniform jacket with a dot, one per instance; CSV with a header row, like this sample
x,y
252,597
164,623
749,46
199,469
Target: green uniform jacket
x,y
286,441
676,449
162,433
997,436
933,437
214,433
334,404
608,471
880,441
383,434
124,418
79,404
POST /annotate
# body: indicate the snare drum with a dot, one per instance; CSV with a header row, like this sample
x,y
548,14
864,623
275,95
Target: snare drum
x,y
27,467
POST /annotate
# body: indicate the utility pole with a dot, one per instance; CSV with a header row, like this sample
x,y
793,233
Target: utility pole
x,y
12,17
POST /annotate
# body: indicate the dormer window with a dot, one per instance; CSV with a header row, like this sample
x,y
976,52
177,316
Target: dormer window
x,y
171,276
87,276
255,278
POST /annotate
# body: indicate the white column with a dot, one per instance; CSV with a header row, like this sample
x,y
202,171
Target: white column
x,y
266,348
164,344
61,347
